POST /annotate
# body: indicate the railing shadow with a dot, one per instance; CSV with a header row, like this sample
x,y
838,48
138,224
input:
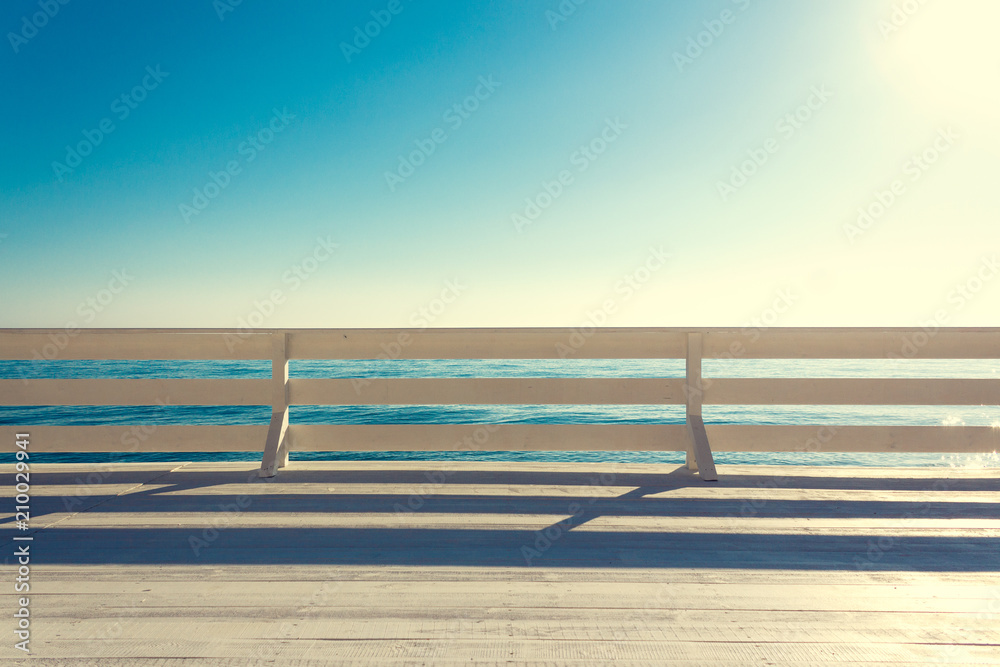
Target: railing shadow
x,y
341,517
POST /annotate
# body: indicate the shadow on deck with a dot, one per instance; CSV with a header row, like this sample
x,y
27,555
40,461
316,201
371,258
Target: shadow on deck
x,y
449,516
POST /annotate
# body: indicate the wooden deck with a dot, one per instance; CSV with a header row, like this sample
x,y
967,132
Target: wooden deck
x,y
208,564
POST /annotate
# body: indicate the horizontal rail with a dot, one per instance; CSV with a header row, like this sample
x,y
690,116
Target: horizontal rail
x,y
645,437
486,391
852,391
105,391
487,344
853,344
540,343
139,346
511,437
485,437
140,438
853,439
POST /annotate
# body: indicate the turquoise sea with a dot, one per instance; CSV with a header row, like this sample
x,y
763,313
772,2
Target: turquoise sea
x,y
979,415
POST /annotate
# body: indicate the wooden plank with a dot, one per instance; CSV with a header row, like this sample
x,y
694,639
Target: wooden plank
x,y
678,490
127,391
149,516
374,586
139,438
824,602
870,343
486,391
118,344
507,437
834,438
453,659
194,643
656,577
640,473
487,344
540,342
486,437
435,625
853,391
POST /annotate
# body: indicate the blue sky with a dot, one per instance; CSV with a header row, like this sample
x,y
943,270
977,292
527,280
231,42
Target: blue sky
x,y
499,164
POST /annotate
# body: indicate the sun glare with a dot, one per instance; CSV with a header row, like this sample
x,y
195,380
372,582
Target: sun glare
x,y
943,54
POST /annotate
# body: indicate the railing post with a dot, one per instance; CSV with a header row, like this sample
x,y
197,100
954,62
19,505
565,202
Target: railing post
x,y
699,453
276,447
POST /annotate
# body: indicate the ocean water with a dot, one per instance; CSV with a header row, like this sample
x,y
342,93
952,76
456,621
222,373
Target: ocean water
x,y
987,415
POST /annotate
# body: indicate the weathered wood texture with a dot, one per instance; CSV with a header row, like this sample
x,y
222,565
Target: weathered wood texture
x,y
508,343
506,437
436,563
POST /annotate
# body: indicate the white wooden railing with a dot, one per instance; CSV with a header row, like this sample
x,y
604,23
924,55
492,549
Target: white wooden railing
x,y
634,343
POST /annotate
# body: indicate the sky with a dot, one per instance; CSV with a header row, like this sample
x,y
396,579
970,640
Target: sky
x,y
407,163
